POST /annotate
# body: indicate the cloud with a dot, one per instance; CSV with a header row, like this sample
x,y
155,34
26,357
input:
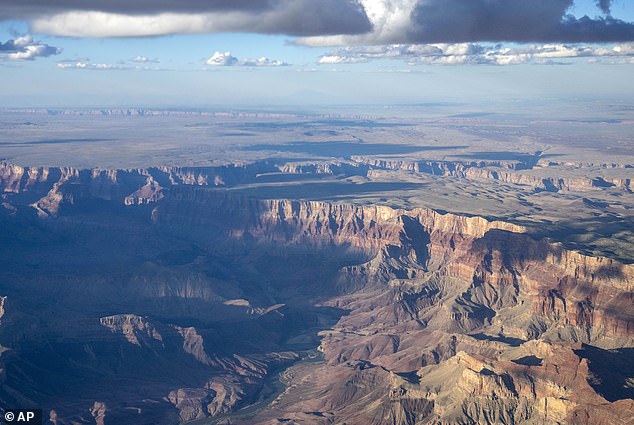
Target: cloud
x,y
25,48
476,54
337,59
227,59
121,18
328,22
144,59
604,5
460,21
136,7
136,64
511,20
143,63
87,65
262,61
222,59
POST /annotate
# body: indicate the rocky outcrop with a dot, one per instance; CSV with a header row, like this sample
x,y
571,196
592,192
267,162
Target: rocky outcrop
x,y
313,222
430,317
457,168
192,403
193,344
223,175
135,329
50,188
47,189
98,412
507,172
15,179
150,193
535,383
325,167
3,301
497,264
432,274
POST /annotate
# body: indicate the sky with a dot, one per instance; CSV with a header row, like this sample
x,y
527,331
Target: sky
x,y
233,53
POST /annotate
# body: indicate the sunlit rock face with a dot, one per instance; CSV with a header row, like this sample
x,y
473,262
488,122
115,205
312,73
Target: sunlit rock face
x,y
156,296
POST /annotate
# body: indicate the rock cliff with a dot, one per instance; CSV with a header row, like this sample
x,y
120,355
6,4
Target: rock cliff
x,y
421,316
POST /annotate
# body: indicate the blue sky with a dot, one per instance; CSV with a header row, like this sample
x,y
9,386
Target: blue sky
x,y
173,70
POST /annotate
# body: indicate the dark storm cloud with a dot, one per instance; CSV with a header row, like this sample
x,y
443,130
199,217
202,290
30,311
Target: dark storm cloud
x,y
293,17
604,5
435,21
392,21
311,17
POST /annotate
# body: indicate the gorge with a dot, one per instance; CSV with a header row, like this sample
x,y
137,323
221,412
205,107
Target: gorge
x,y
162,295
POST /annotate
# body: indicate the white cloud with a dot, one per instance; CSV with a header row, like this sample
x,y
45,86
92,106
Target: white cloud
x,y
28,52
390,19
624,49
25,48
88,65
144,59
337,59
142,63
227,59
222,59
262,61
101,24
474,53
96,66
293,17
23,40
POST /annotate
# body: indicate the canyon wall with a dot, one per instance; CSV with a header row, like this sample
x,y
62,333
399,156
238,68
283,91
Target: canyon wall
x,y
430,318
49,187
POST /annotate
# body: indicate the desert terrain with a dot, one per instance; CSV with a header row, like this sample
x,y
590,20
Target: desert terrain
x,y
437,264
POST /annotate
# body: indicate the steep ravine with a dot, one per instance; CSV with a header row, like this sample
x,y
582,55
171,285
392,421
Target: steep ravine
x,y
495,258
422,317
442,289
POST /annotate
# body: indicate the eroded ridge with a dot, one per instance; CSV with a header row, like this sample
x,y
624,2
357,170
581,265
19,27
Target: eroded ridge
x,y
421,316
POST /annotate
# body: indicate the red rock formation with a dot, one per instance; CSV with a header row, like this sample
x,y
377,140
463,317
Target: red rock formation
x,y
449,319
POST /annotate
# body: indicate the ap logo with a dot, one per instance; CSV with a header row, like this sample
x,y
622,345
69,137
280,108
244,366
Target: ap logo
x,y
23,416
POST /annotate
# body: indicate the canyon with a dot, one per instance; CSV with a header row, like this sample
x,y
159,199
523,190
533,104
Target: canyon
x,y
174,294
